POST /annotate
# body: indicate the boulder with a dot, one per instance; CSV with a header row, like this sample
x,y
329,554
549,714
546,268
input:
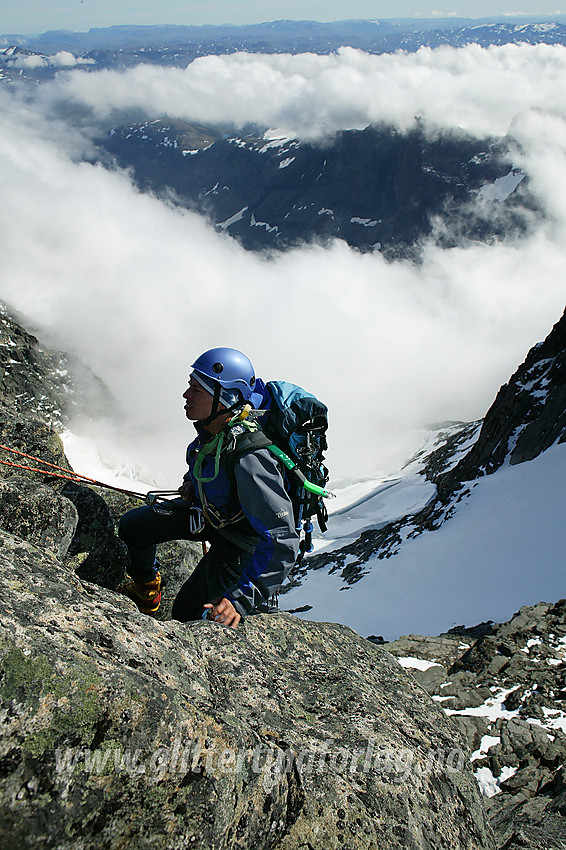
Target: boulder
x,y
536,823
119,730
431,678
444,650
37,514
32,436
97,555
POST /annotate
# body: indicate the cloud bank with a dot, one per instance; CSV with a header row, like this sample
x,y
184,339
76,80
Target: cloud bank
x,y
138,289
478,90
62,59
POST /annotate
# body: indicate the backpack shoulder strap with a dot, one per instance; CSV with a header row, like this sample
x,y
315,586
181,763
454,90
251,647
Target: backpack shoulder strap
x,y
243,444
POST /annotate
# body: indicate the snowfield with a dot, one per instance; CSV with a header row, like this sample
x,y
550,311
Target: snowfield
x,y
102,461
504,547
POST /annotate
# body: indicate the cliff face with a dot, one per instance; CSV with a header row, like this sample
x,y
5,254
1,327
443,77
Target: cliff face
x,y
38,381
123,730
528,415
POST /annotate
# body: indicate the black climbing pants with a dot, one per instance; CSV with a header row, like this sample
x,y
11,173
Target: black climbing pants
x,y
214,576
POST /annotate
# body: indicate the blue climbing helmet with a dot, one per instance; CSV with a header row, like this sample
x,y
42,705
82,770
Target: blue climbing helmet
x,y
227,374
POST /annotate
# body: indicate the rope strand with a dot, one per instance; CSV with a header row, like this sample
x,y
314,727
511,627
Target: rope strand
x,y
37,459
76,477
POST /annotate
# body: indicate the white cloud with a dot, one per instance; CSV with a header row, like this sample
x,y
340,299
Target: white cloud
x,y
65,59
138,289
29,62
475,89
62,59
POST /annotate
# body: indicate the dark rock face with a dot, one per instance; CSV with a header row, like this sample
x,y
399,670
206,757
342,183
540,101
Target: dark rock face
x,y
37,381
30,378
117,728
518,665
528,414
377,189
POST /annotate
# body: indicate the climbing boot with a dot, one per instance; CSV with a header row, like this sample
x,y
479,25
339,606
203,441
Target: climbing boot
x,y
146,595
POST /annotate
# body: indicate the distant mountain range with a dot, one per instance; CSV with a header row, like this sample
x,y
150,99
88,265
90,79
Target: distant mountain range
x,y
377,189
124,46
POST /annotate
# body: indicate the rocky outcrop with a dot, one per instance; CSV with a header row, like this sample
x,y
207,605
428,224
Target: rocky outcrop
x,y
41,388
36,381
118,729
28,507
504,686
527,416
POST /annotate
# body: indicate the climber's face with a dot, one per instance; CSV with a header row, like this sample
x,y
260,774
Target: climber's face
x,y
198,402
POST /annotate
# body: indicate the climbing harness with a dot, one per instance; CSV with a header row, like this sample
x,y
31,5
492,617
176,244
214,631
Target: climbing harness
x,y
215,447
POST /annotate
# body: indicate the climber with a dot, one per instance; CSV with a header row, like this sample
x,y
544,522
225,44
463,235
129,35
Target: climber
x,y
246,516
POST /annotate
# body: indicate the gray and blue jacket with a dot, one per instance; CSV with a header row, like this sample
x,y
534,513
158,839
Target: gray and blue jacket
x,y
265,531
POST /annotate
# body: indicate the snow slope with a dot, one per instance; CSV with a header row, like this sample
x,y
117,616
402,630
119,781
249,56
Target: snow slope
x,y
100,460
504,547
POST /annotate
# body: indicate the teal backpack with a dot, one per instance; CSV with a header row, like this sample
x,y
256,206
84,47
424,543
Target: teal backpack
x,y
292,424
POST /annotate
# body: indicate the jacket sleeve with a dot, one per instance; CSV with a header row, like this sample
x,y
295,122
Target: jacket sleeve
x,y
268,508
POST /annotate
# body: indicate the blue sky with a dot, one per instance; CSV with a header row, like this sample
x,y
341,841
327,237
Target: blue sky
x,y
35,16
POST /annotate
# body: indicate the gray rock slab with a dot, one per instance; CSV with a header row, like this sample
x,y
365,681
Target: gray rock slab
x,y
119,730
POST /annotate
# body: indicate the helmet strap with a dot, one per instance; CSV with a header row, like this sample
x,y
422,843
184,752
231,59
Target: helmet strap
x,y
215,413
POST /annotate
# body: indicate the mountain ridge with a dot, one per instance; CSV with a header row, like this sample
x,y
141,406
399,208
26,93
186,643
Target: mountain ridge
x,y
366,30
177,46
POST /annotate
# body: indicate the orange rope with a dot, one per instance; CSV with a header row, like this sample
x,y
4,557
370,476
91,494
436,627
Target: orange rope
x,y
73,476
38,460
